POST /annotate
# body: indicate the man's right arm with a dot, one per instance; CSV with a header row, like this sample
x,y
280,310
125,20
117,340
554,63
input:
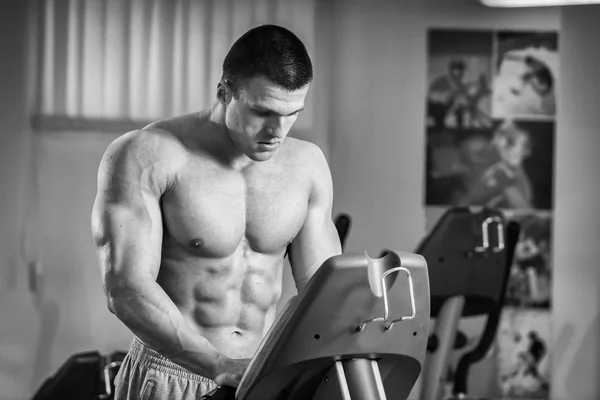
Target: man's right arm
x,y
127,228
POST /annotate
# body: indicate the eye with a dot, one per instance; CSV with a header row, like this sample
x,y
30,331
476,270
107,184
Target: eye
x,y
261,113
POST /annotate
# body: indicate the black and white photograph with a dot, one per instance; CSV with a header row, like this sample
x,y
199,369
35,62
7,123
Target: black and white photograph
x,y
459,73
473,156
526,75
230,199
524,354
530,280
508,166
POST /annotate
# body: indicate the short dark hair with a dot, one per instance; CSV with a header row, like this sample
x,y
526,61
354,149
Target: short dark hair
x,y
271,52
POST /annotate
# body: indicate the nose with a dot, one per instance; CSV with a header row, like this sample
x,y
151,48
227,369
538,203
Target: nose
x,y
276,128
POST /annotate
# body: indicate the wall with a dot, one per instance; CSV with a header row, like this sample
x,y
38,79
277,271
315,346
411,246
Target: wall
x,y
19,326
48,185
377,133
576,310
379,84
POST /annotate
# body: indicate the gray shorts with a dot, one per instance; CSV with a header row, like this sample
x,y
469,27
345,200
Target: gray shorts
x,y
147,375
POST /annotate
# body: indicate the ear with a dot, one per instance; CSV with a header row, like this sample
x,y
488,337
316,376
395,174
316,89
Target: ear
x,y
224,93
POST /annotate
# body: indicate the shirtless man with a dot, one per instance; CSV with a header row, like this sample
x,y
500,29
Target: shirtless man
x,y
195,214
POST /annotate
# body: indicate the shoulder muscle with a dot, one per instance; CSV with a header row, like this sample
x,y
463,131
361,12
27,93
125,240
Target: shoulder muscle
x,y
145,161
322,185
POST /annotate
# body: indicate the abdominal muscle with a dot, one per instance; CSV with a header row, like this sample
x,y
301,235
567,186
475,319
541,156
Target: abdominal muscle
x,y
230,301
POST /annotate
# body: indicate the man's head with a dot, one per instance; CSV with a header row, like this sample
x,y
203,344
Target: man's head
x,y
476,151
512,143
457,69
266,76
271,52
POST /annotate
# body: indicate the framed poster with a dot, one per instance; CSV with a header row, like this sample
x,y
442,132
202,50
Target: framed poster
x,y
523,356
490,119
490,135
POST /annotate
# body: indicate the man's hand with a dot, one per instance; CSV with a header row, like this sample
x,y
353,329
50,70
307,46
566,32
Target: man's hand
x,y
231,371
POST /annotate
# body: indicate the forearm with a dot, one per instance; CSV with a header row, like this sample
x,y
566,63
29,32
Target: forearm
x,y
153,317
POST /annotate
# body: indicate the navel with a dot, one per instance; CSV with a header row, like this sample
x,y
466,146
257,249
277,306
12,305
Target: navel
x,y
196,243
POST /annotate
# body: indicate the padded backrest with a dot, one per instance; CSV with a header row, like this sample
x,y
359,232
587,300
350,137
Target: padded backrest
x,y
343,222
457,263
77,378
488,335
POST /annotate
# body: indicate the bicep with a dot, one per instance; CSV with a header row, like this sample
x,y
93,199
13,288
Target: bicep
x,y
126,221
128,239
318,239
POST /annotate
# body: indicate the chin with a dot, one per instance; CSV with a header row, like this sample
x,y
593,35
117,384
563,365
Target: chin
x,y
260,156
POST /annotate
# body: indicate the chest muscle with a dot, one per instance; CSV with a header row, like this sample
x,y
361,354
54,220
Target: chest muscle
x,y
210,214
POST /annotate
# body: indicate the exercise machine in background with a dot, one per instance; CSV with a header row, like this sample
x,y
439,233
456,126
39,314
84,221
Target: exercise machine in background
x,y
83,376
343,223
469,255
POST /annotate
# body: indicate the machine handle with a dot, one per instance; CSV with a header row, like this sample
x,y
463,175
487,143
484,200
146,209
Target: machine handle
x,y
107,386
389,324
485,227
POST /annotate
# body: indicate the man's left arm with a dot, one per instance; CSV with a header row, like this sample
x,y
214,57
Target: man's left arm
x,y
318,239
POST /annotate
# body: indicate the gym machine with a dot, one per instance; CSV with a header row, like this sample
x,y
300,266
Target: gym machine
x,y
83,376
342,223
357,331
360,327
469,256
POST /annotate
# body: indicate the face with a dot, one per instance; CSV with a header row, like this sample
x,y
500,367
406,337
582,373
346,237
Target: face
x,y
261,116
457,73
513,148
476,150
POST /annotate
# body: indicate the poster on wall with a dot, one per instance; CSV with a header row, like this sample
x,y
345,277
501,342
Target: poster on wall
x,y
530,280
523,356
490,135
526,71
490,119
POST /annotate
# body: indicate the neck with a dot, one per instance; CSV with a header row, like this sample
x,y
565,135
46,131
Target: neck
x,y
221,143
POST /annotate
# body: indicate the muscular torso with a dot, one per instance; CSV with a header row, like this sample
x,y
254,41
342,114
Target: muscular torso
x,y
225,234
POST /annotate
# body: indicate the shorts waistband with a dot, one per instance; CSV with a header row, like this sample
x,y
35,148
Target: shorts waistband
x,y
153,360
